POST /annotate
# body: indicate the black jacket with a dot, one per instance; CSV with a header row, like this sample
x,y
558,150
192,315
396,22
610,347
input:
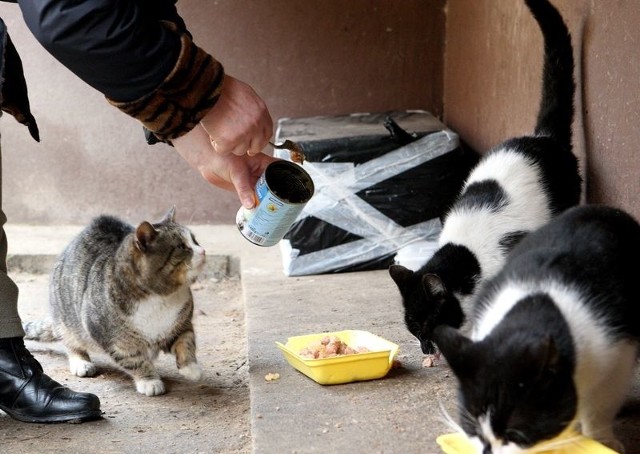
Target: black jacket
x,y
127,50
118,47
13,89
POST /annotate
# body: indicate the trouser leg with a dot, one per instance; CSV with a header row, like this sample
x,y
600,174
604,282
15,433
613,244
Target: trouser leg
x,y
26,392
10,325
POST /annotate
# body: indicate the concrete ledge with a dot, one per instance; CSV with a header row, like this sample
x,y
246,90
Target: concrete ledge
x,y
401,413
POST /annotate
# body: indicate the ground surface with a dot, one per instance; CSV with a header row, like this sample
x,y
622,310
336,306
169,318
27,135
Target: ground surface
x,y
209,416
402,413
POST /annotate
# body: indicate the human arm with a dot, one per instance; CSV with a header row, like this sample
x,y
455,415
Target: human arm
x,y
125,49
141,57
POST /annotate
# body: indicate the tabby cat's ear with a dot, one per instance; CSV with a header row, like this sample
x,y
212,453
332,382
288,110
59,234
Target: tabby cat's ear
x,y
145,234
169,215
456,348
400,274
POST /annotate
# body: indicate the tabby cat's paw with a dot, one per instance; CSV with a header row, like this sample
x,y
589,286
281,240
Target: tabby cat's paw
x,y
192,371
82,368
153,387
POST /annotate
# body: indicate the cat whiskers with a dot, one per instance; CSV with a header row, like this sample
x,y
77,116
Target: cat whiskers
x,y
466,416
415,341
448,420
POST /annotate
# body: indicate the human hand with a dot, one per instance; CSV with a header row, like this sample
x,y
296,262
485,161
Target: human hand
x,y
239,123
227,171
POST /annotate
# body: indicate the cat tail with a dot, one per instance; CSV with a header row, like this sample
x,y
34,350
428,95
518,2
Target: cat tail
x,y
557,110
40,330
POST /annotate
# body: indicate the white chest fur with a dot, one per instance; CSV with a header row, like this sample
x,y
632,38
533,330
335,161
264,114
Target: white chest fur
x,y
156,316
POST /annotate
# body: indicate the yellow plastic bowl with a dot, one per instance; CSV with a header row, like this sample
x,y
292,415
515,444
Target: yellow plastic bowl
x,y
457,443
345,368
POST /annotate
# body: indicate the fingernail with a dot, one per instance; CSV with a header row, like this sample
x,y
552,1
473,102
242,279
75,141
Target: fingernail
x,y
248,203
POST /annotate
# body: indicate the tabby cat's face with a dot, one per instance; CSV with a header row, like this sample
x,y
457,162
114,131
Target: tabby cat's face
x,y
169,256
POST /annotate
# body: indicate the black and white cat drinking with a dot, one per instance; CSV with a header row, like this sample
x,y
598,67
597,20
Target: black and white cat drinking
x,y
125,291
554,335
515,188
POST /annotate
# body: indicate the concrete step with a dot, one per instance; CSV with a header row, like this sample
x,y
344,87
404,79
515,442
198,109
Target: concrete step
x,y
400,413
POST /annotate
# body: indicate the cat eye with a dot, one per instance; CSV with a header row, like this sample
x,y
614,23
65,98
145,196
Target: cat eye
x,y
193,238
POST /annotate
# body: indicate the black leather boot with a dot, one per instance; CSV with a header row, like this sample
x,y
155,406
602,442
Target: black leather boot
x,y
29,395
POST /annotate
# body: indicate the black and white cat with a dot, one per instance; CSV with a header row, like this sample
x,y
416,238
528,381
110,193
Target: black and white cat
x,y
515,188
554,335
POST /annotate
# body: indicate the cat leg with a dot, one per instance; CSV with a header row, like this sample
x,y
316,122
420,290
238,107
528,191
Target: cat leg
x,y
600,407
80,363
150,386
77,354
147,379
184,349
136,362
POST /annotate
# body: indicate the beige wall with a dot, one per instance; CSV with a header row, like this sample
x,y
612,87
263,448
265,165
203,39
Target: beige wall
x,y
325,58
492,84
305,58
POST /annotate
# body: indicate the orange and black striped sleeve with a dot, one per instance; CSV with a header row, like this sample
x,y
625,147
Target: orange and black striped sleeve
x,y
184,96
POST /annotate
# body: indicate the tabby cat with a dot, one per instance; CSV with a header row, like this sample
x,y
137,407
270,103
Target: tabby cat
x,y
515,188
554,336
126,292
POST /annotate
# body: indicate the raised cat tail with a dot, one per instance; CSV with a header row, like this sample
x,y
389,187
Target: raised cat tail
x,y
40,330
557,110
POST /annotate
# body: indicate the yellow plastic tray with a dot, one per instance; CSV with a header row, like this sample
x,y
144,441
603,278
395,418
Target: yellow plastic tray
x,y
457,443
346,368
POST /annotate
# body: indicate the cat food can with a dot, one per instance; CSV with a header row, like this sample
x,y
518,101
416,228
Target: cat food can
x,y
281,193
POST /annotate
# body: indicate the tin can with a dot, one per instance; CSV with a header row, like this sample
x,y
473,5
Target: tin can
x,y
282,191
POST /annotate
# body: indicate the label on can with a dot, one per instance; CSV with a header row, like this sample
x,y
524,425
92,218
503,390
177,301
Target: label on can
x,y
282,191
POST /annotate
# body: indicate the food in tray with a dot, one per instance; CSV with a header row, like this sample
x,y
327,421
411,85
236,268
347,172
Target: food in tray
x,y
368,364
329,347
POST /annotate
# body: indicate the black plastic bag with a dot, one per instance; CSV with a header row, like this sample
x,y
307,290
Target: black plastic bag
x,y
380,186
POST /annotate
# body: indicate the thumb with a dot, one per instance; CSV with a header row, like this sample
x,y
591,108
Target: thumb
x,y
241,181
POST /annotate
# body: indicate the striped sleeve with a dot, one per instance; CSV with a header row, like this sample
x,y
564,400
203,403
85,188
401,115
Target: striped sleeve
x,y
184,97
